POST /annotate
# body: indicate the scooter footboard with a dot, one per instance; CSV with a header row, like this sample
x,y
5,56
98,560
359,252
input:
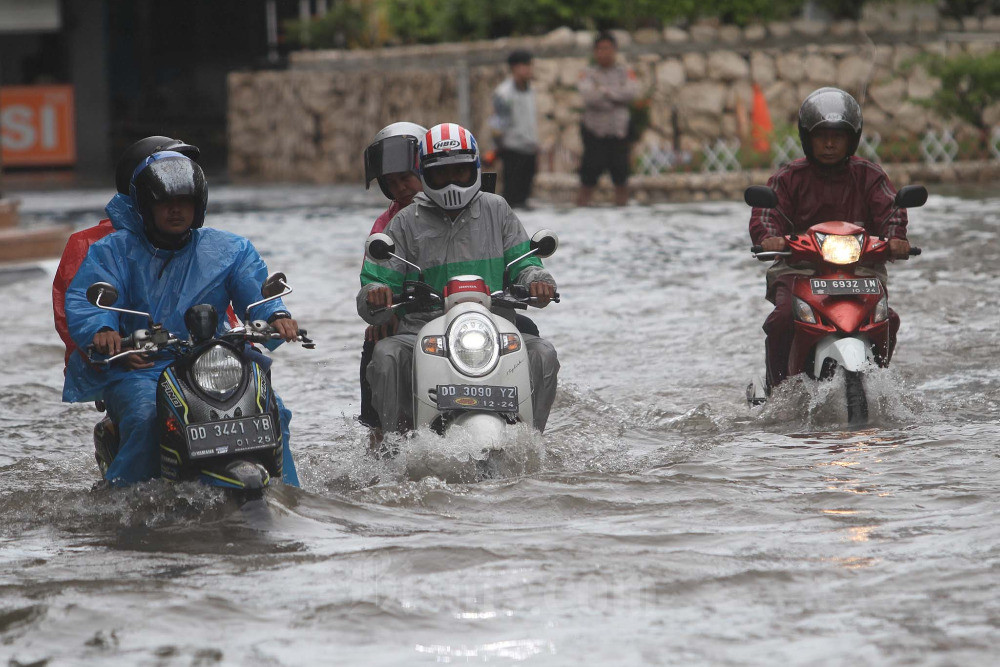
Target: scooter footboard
x,y
852,353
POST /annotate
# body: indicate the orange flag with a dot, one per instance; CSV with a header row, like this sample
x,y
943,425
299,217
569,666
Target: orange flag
x,y
760,121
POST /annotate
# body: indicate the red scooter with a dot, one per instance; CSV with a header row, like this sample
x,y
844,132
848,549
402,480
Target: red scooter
x,y
841,314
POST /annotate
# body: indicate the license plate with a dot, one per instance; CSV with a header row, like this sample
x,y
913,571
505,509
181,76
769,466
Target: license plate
x,y
231,435
839,286
476,397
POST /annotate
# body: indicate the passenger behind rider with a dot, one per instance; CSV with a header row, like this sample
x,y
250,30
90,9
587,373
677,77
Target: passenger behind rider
x,y
163,261
829,183
392,159
118,209
452,228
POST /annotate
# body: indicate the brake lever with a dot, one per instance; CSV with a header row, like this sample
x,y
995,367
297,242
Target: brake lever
x,y
307,343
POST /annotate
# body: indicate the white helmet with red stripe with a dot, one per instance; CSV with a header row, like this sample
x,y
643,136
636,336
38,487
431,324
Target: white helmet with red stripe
x,y
449,166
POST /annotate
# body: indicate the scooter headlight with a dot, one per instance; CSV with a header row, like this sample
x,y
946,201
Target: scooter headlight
x,y
840,249
882,309
803,311
473,344
217,372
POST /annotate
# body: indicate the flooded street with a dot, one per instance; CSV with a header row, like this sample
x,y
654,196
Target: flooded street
x,y
659,520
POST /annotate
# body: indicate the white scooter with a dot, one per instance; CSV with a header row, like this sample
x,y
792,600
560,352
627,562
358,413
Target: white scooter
x,y
470,365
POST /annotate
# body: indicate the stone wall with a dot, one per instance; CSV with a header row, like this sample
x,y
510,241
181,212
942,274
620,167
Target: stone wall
x,y
311,122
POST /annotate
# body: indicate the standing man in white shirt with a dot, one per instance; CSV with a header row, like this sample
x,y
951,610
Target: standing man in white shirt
x,y
515,129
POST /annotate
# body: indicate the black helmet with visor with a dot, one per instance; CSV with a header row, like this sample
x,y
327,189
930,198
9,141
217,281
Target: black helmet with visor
x,y
132,156
164,176
830,108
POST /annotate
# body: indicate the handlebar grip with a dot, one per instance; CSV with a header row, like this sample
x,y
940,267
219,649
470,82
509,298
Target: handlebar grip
x,y
756,249
915,251
555,297
396,300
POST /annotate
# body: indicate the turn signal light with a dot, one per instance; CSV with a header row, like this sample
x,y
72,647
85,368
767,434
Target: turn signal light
x,y
434,345
509,343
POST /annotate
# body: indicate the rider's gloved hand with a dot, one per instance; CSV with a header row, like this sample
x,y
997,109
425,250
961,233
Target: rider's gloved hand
x,y
108,342
287,328
774,244
380,297
899,248
543,292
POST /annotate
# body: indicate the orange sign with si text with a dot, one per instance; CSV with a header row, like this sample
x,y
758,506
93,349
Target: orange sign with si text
x,y
37,126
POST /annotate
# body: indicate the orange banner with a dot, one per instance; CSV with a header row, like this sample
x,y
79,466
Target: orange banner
x,y
37,126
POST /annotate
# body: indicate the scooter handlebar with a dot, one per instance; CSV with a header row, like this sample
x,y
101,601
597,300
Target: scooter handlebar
x,y
915,251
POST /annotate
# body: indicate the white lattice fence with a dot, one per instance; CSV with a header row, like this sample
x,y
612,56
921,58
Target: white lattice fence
x,y
787,150
720,157
656,159
939,147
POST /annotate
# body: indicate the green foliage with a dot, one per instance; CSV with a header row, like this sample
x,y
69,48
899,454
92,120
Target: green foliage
x,y
359,23
960,8
346,25
969,84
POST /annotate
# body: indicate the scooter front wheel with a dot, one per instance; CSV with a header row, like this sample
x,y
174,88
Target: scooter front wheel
x,y
857,401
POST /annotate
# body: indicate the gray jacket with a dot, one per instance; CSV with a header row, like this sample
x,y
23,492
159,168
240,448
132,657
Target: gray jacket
x,y
480,241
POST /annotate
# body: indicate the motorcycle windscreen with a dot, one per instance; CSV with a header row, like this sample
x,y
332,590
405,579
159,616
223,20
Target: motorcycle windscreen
x,y
392,155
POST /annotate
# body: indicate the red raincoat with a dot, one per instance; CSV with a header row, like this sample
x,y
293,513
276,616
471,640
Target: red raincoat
x,y
72,257
858,191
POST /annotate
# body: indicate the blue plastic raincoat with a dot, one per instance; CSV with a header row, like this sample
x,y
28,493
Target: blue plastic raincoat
x,y
214,267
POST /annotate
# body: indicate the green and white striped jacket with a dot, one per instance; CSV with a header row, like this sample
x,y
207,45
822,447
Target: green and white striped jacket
x,y
480,241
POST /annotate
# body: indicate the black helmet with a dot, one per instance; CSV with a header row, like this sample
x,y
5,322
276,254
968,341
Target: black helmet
x,y
830,108
393,150
166,175
142,149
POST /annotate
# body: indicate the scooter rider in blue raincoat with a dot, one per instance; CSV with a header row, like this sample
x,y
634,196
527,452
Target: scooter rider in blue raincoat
x,y
162,261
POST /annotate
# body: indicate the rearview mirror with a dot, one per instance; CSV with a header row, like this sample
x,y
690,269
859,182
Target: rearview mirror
x,y
102,294
274,285
911,196
760,196
544,242
379,246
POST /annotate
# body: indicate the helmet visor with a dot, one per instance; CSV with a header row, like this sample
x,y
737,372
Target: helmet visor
x,y
463,174
175,177
391,155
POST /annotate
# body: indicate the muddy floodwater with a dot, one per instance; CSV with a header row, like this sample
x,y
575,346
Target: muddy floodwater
x,y
659,520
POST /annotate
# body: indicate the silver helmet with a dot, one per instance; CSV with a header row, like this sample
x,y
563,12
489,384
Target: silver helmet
x,y
830,108
393,150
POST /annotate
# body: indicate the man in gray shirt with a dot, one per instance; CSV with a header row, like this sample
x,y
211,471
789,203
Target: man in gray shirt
x,y
515,129
607,89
